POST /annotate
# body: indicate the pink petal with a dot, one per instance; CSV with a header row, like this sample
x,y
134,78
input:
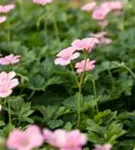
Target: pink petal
x,y
49,137
3,19
61,61
60,137
77,44
67,52
89,6
75,55
35,137
106,41
71,148
11,74
5,93
14,83
103,147
42,2
3,75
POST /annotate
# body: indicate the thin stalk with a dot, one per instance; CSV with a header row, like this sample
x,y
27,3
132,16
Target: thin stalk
x,y
94,89
112,79
95,93
20,7
55,24
9,111
79,97
127,68
71,66
56,29
79,106
32,93
39,21
124,14
9,34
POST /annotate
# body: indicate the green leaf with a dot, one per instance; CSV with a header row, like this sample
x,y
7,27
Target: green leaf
x,y
37,83
105,64
55,123
68,126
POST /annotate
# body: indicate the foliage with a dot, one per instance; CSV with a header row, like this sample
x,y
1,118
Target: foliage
x,y
47,94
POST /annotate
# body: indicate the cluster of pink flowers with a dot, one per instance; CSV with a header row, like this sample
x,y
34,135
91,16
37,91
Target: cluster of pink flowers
x,y
5,9
64,140
68,54
42,2
100,12
32,137
7,83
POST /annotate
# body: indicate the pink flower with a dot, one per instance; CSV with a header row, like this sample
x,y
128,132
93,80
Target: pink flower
x,y
42,2
103,147
85,65
49,137
86,44
105,41
98,35
114,5
6,8
65,56
101,37
104,9
89,6
101,12
7,83
3,19
10,59
25,140
73,140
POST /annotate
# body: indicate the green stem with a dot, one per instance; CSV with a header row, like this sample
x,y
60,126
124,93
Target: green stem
x,y
131,72
32,93
112,79
78,106
8,29
39,21
79,96
55,24
21,7
56,29
72,68
95,93
123,17
9,112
